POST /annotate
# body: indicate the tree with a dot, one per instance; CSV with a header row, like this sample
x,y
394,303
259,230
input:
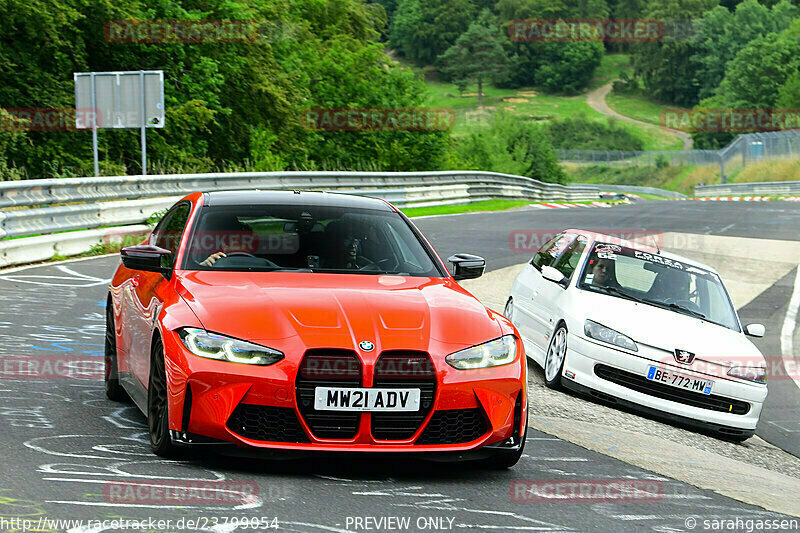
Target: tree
x,y
668,67
721,34
230,105
789,93
755,76
424,29
476,56
509,145
565,67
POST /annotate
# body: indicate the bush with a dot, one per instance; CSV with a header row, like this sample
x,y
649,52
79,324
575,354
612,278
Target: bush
x,y
508,145
580,133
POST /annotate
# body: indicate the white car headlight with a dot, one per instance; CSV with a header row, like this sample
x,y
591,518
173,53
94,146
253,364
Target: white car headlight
x,y
214,346
596,331
498,352
750,373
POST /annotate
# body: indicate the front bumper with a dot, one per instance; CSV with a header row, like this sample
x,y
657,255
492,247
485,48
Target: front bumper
x,y
585,357
214,404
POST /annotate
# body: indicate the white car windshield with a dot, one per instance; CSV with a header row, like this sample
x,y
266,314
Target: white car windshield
x,y
653,279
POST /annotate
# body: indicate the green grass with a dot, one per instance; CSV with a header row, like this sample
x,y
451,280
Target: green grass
x,y
653,137
474,207
636,106
677,178
527,103
531,105
648,196
611,66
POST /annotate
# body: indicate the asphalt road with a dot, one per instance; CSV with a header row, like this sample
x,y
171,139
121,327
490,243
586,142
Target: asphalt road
x,y
65,445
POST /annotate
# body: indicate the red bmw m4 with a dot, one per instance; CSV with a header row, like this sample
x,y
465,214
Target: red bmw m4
x,y
306,321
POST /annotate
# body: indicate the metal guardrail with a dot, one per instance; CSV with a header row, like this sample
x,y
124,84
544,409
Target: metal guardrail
x,y
114,201
764,188
635,189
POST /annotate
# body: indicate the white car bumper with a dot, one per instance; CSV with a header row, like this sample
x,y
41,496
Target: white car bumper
x,y
584,355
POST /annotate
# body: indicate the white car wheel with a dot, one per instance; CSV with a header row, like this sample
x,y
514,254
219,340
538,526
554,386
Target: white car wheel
x,y
554,361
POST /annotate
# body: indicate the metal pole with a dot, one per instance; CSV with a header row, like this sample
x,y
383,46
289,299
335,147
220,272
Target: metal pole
x,y
144,136
94,131
723,179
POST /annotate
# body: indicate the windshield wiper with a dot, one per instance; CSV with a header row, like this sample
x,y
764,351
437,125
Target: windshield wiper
x,y
683,309
614,290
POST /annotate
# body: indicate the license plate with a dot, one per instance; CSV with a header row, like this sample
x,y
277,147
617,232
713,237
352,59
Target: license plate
x,y
352,399
680,381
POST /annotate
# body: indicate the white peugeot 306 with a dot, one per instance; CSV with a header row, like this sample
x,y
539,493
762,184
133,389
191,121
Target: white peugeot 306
x,y
638,327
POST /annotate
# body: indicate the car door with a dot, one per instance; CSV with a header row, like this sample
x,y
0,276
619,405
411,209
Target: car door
x,y
526,292
545,292
148,286
550,302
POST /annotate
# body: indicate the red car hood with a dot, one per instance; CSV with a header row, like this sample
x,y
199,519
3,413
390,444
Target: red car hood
x,y
339,310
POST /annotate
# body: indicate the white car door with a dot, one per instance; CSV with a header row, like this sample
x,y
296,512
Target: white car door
x,y
548,305
528,304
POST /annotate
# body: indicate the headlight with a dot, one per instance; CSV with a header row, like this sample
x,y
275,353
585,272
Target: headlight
x,y
750,373
601,333
222,348
498,352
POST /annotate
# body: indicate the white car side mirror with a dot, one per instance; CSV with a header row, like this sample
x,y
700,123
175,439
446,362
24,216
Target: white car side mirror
x,y
755,330
551,274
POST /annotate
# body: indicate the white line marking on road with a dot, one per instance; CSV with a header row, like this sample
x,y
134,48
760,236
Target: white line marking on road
x,y
564,459
787,331
53,263
729,226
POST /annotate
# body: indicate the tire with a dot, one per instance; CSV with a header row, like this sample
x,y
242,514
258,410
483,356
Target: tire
x,y
554,359
157,405
114,390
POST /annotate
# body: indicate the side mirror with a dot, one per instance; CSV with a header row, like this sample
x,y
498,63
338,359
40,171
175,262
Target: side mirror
x,y
467,266
755,330
551,274
147,258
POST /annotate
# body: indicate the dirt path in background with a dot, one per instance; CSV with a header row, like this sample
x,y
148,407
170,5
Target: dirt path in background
x,y
597,101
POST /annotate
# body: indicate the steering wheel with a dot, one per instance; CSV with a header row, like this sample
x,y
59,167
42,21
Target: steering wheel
x,y
375,265
245,254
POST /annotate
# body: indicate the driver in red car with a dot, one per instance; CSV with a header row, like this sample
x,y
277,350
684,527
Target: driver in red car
x,y
229,237
346,247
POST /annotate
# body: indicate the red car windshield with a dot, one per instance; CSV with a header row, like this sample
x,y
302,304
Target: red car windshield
x,y
306,238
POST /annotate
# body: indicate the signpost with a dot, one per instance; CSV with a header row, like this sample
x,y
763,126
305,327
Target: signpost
x,y
131,99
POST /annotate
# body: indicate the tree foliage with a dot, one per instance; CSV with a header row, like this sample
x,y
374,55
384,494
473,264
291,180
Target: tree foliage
x,y
580,133
228,105
422,30
508,145
477,56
